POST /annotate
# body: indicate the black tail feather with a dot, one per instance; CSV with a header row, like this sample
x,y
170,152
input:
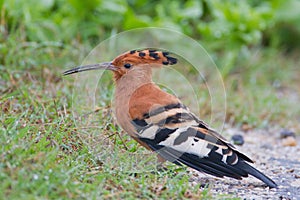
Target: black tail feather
x,y
257,174
212,167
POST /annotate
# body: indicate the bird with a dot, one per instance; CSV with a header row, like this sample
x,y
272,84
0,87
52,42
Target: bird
x,y
160,122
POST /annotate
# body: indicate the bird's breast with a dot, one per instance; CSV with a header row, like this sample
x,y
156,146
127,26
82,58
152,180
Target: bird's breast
x,y
121,109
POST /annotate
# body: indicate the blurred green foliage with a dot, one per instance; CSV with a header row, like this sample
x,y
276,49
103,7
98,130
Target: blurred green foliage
x,y
224,27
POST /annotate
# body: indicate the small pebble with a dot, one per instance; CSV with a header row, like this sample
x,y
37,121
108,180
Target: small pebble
x,y
237,139
290,170
289,141
287,133
246,127
188,194
267,146
284,198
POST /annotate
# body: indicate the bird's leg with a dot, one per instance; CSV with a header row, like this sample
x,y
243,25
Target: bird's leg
x,y
160,164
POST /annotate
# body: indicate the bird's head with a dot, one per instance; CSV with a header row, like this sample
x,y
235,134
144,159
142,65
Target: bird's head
x,y
130,61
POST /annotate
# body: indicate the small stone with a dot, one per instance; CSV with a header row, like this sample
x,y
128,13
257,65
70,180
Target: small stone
x,y
188,194
246,127
284,198
289,141
290,170
284,133
237,139
267,146
204,185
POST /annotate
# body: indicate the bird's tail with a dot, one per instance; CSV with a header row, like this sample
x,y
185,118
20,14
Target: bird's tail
x,y
254,172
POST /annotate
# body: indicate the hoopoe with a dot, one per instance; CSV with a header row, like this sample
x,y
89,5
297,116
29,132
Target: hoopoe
x,y
160,122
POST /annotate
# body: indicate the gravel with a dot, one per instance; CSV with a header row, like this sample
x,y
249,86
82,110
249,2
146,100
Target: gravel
x,y
281,163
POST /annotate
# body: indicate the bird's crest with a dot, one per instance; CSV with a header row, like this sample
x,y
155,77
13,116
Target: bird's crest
x,y
146,56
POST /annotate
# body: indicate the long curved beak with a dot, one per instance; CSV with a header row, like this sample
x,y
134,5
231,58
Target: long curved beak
x,y
106,66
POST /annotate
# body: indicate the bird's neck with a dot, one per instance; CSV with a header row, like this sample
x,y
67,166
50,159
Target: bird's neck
x,y
125,87
131,81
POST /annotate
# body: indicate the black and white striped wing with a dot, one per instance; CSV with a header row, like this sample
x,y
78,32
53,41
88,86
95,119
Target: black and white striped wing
x,y
180,137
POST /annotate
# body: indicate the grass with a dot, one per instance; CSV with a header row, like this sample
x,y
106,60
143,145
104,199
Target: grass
x,y
44,155
264,92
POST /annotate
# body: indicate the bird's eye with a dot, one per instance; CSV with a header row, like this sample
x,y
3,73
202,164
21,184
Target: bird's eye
x,y
127,65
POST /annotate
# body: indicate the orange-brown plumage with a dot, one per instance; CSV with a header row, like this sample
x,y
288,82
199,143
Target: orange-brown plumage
x,y
142,57
160,122
148,97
